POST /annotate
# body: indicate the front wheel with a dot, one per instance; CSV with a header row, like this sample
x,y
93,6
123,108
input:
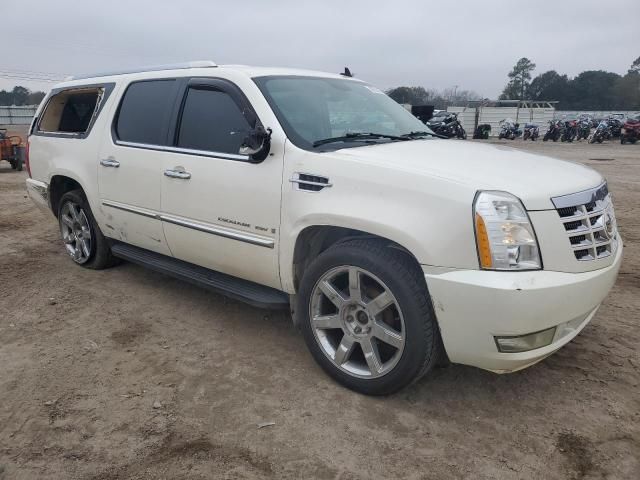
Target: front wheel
x,y
367,318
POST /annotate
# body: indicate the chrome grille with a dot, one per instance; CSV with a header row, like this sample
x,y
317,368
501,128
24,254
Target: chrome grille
x,y
590,223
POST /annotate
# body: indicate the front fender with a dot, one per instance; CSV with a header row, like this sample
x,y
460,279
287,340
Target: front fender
x,y
436,227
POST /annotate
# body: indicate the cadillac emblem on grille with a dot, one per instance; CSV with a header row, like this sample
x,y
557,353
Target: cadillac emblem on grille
x,y
609,225
590,222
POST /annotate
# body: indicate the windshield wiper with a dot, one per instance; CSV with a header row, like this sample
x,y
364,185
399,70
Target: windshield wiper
x,y
412,135
358,136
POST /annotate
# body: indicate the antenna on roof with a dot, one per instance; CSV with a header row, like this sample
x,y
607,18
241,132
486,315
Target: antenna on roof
x,y
347,72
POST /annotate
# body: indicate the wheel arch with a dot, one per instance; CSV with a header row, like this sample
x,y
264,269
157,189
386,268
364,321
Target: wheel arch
x,y
312,240
59,184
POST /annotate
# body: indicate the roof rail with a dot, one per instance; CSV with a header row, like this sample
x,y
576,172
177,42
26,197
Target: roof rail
x,y
151,68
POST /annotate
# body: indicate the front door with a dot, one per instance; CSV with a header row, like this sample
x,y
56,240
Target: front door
x,y
220,209
131,161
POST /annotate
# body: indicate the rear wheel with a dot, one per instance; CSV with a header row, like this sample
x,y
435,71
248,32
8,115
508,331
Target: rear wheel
x,y
367,318
83,240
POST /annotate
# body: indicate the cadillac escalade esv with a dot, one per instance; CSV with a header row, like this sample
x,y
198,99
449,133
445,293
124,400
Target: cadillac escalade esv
x,y
393,249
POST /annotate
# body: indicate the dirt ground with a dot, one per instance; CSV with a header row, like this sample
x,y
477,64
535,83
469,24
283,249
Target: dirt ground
x,y
127,374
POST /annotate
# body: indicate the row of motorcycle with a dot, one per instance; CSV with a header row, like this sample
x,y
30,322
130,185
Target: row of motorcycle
x,y
447,125
568,130
627,130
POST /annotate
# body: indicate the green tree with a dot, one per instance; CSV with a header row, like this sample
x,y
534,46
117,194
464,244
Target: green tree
x,y
627,92
35,98
519,78
411,95
549,86
594,90
6,98
20,95
635,66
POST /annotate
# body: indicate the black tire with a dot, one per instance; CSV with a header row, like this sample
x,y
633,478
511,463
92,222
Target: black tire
x,y
100,256
423,346
622,140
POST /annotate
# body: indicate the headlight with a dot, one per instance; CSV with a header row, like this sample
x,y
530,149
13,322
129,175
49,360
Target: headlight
x,y
504,234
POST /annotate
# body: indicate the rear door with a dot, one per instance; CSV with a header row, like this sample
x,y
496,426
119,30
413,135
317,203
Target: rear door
x,y
131,164
220,209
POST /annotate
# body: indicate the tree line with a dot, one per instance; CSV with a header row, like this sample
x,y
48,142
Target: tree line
x,y
438,98
589,90
20,96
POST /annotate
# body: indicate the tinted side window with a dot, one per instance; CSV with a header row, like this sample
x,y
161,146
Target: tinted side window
x,y
144,112
211,121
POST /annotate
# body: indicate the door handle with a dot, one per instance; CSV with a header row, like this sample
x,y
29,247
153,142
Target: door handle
x,y
181,174
110,162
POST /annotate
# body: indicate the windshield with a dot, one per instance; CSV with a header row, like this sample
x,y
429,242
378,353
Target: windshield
x,y
313,109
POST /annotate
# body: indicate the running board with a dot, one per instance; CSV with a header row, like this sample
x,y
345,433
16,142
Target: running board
x,y
236,288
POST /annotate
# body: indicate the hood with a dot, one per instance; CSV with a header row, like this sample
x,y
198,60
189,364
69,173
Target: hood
x,y
535,179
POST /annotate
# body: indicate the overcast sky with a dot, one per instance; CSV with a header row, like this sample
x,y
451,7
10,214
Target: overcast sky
x,y
469,43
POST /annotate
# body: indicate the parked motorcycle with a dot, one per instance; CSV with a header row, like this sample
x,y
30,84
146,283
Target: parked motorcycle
x,y
601,133
509,129
630,130
553,132
569,131
584,128
615,125
447,125
531,132
482,131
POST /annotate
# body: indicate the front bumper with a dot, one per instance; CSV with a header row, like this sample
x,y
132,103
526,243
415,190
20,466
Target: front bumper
x,y
39,194
473,306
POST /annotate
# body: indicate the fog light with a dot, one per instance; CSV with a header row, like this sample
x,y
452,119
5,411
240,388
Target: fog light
x,y
525,343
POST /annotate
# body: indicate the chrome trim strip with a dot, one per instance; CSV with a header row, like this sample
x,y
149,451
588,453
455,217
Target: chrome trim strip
x,y
188,151
581,198
221,232
306,182
128,208
201,227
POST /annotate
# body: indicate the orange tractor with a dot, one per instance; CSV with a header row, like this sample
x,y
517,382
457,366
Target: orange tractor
x,y
11,149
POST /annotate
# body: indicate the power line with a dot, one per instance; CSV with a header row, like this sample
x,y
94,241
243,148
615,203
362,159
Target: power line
x,y
28,78
32,76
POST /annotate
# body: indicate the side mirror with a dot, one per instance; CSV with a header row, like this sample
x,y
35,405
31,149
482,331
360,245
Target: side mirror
x,y
257,143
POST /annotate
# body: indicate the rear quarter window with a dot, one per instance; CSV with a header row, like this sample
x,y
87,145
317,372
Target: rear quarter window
x,y
71,111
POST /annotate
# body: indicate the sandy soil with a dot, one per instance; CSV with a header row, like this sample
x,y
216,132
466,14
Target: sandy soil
x,y
125,374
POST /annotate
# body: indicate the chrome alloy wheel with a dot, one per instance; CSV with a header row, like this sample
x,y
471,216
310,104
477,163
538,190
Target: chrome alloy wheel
x,y
76,233
357,322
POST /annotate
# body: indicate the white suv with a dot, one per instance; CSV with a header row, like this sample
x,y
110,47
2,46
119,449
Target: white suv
x,y
294,189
